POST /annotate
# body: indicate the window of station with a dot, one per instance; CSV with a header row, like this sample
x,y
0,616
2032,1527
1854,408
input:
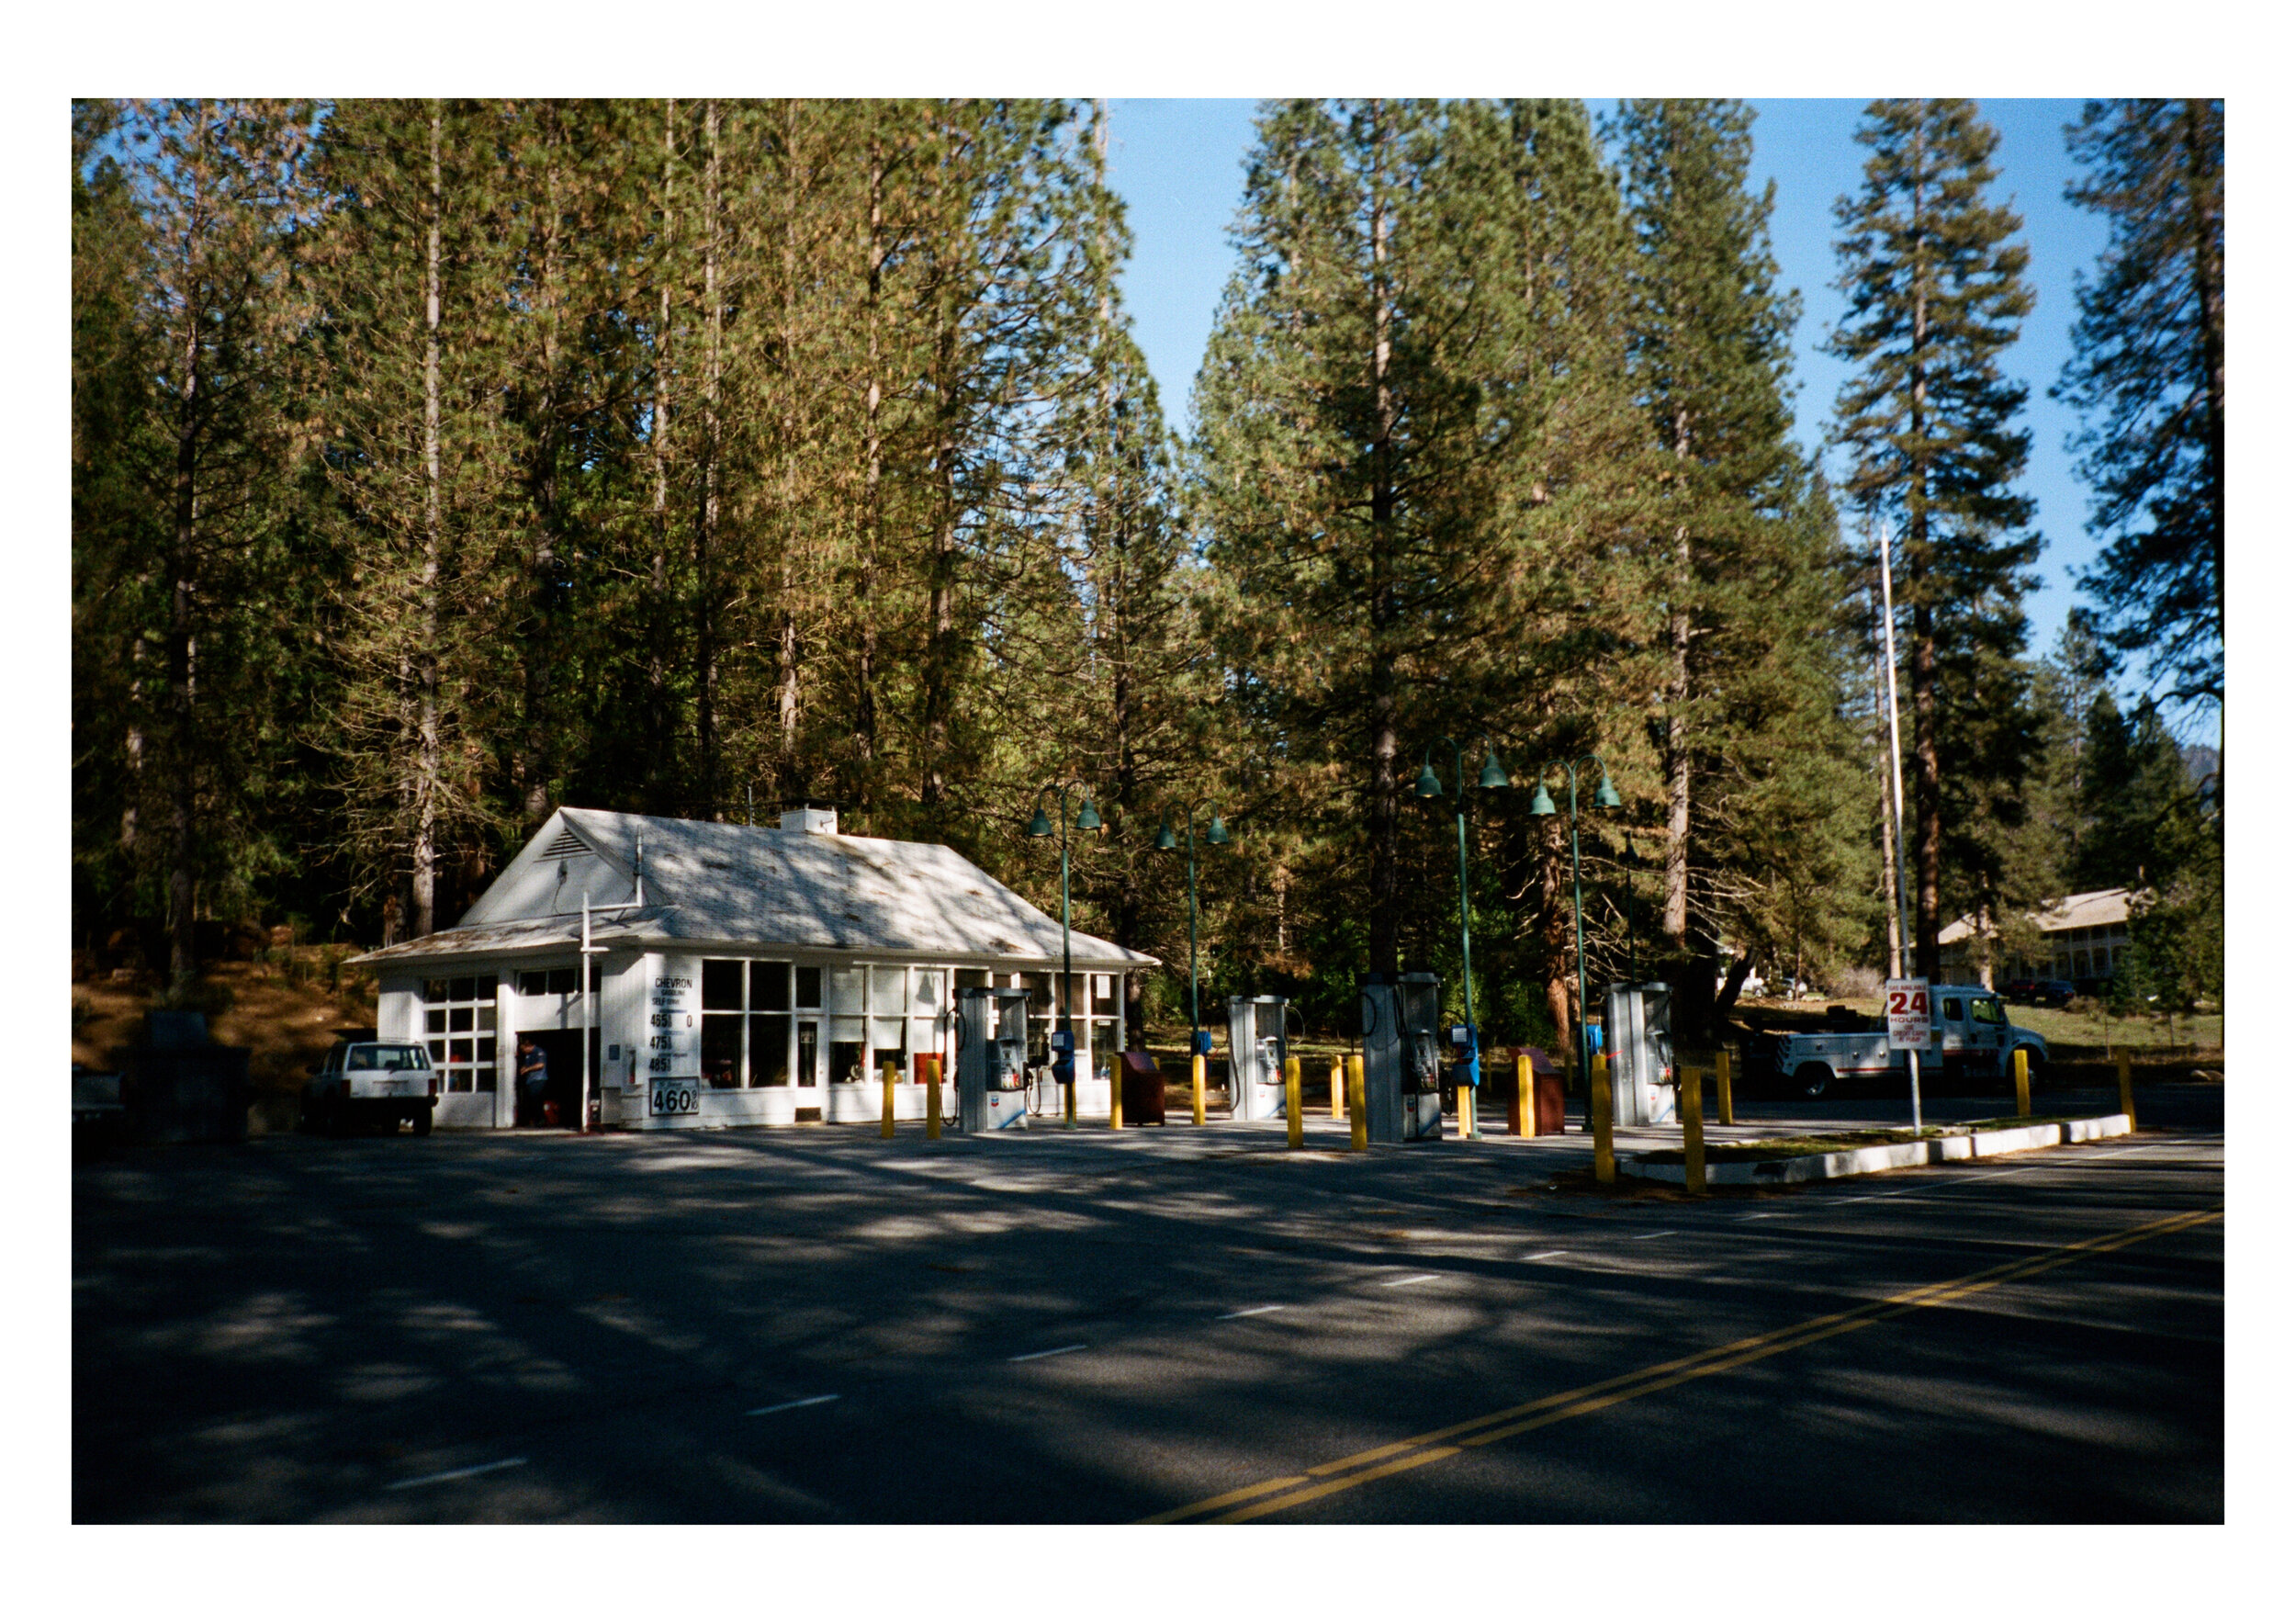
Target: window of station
x,y
883,1013
458,1024
551,983
746,1020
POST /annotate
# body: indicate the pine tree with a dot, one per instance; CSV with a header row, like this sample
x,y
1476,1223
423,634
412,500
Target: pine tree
x,y
1935,292
2148,372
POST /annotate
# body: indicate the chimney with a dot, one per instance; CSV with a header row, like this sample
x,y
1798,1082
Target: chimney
x,y
809,818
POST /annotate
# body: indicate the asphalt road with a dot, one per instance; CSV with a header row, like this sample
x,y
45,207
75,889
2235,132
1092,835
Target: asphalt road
x,y
1173,1324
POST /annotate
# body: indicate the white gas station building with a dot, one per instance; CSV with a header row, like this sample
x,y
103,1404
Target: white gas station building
x,y
740,976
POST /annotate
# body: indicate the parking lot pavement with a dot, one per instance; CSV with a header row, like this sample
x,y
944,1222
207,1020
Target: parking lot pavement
x,y
815,1324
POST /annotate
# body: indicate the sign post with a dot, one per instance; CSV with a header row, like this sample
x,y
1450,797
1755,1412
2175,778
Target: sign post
x,y
1907,1004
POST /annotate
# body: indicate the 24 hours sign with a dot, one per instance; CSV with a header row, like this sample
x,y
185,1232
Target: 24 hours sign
x,y
1907,1005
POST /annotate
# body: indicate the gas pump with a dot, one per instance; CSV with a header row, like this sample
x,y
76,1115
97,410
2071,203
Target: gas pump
x,y
1639,1027
1256,1050
992,1058
1402,1076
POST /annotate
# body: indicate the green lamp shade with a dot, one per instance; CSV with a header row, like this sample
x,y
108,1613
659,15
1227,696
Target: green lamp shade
x,y
1087,820
1165,839
1494,775
1040,826
1429,785
1542,802
1606,798
1217,834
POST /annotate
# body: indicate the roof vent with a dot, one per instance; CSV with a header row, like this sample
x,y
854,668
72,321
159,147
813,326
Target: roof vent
x,y
809,820
567,844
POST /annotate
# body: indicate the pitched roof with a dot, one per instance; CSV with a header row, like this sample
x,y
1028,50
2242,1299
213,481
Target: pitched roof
x,y
2079,911
732,885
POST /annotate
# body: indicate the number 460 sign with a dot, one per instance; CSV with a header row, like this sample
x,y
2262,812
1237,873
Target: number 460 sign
x,y
1907,1006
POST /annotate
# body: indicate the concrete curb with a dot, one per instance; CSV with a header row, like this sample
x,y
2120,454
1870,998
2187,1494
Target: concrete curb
x,y
1963,1146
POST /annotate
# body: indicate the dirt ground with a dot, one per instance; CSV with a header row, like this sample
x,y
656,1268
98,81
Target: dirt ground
x,y
281,1010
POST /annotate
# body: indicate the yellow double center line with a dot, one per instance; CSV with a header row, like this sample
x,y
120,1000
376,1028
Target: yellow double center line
x,y
1243,1505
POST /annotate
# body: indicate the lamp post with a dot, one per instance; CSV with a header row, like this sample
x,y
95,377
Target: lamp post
x,y
1543,806
1088,820
1430,787
1217,834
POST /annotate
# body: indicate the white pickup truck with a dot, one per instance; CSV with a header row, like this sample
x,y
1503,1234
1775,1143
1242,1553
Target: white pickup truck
x,y
374,1082
1970,1040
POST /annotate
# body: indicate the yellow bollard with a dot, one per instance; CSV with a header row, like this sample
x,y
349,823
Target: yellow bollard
x,y
1694,1131
1467,1111
1339,1089
1359,1130
1196,1081
932,1099
1598,1117
2128,1090
891,1073
1722,1087
1068,1099
1116,1101
1526,1096
2018,1063
1294,1130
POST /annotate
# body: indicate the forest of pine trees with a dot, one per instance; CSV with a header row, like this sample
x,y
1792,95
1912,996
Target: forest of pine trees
x,y
436,463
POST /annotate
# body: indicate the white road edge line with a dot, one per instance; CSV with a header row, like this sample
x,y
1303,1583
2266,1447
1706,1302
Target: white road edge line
x,y
826,1397
1412,1280
1655,1234
1541,1255
1245,1312
448,1476
1050,1352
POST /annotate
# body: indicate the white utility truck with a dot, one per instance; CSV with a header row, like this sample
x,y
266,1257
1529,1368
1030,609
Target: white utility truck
x,y
1970,1041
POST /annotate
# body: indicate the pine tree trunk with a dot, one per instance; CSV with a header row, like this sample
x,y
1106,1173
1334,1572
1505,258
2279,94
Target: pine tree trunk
x,y
536,762
425,876
183,811
787,650
658,718
872,473
705,745
1386,879
2208,274
1676,919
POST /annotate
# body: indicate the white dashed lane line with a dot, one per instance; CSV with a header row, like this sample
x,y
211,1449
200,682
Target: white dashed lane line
x,y
1050,1352
1245,1312
1412,1279
448,1476
1541,1255
1655,1234
826,1397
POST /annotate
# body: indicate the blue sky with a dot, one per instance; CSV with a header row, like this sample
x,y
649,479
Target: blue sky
x,y
1178,165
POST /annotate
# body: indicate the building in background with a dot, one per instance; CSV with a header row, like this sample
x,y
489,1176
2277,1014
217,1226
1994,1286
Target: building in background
x,y
2084,937
740,976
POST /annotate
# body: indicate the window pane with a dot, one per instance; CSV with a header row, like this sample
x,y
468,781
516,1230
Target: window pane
x,y
721,1050
483,1081
532,983
458,1050
459,989
1104,994
486,1051
486,1017
972,978
558,982
434,1019
433,991
721,983
845,1061
845,991
1040,985
885,988
486,988
808,1053
809,986
768,985
458,1019
846,1028
768,1051
887,1034
925,991
438,1052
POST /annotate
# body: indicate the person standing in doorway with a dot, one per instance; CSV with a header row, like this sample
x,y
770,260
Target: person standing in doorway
x,y
533,1084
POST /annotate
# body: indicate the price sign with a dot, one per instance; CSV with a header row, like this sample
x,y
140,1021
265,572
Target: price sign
x,y
1907,1003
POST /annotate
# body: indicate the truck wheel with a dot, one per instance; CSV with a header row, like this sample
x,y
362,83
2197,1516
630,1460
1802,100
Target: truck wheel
x,y
1812,1080
421,1119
